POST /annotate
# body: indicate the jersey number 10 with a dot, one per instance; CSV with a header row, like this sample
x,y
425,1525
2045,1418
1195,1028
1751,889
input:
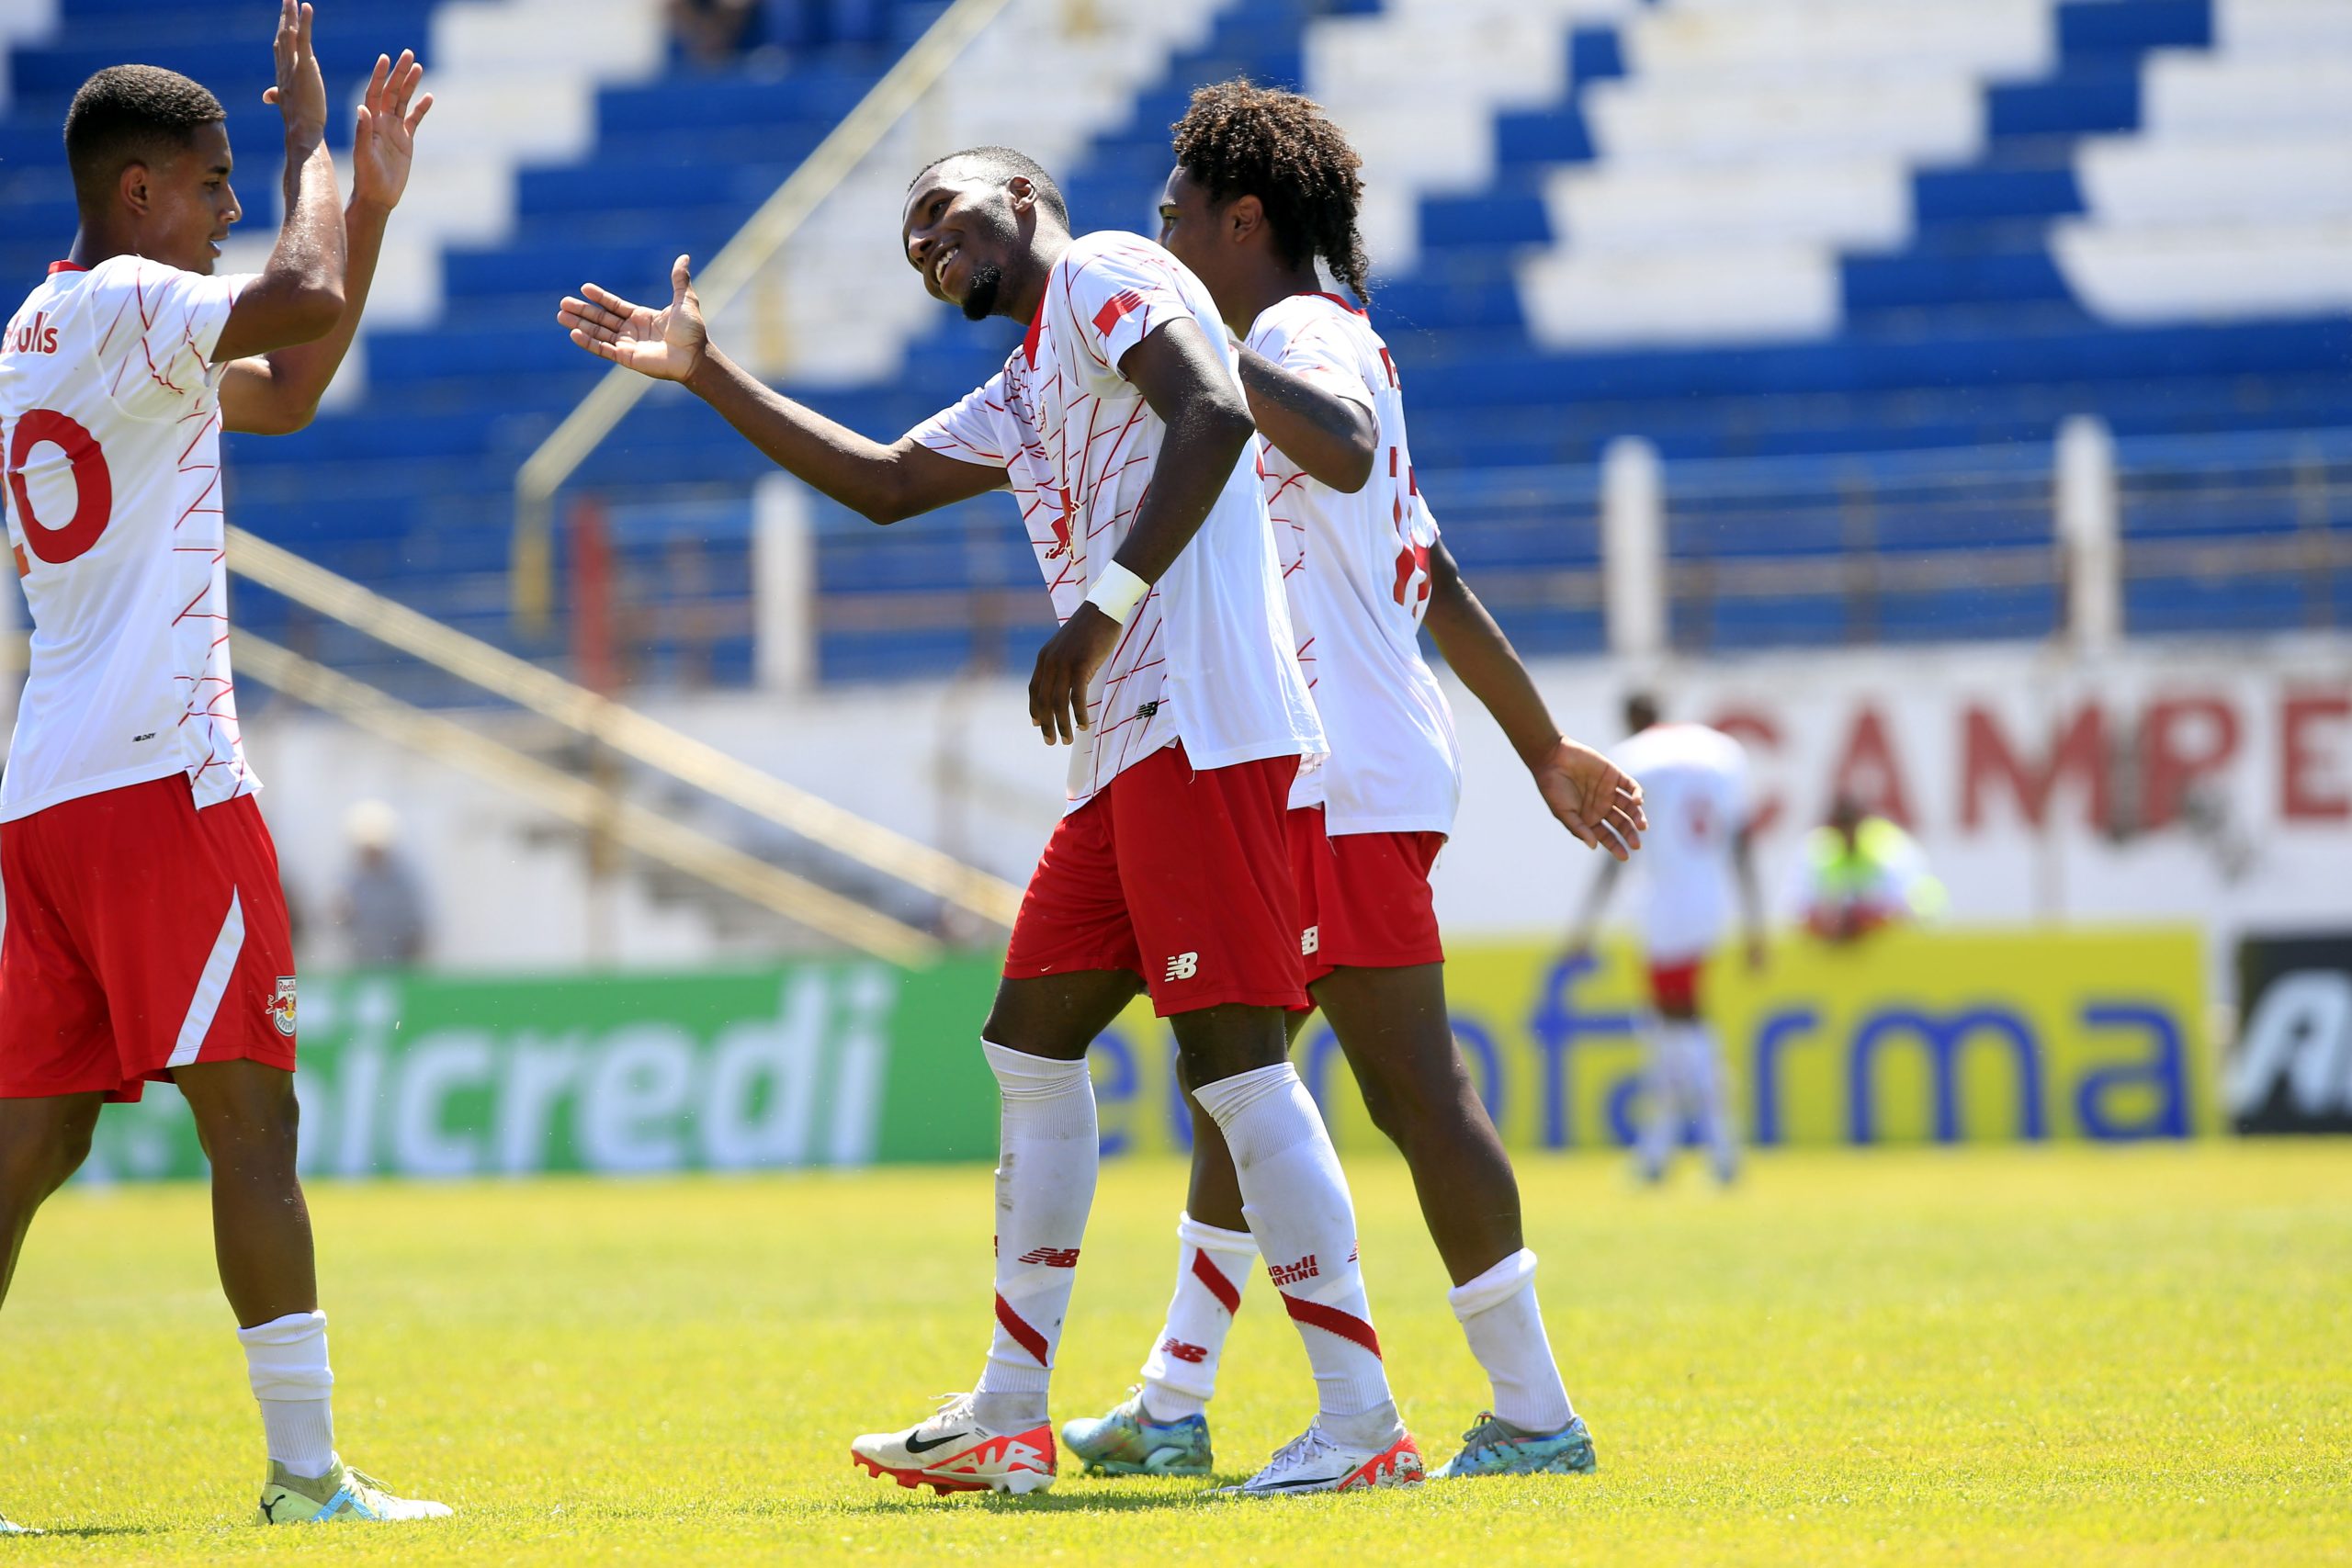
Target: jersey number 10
x,y
93,485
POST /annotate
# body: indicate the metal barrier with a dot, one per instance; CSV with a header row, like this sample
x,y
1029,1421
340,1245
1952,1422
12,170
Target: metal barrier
x,y
626,731
729,273
586,805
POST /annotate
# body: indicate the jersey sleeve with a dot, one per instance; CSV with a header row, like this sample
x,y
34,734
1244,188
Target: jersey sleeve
x,y
1317,354
152,329
1118,298
977,428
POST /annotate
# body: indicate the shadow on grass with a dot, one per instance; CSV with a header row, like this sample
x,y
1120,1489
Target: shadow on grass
x,y
94,1532
1178,1496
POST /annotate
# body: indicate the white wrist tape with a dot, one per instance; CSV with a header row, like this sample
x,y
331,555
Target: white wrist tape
x,y
1117,592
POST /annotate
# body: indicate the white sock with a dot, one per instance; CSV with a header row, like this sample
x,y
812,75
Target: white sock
x,y
1703,1081
1296,1202
1212,1266
1046,1161
286,1361
1505,1328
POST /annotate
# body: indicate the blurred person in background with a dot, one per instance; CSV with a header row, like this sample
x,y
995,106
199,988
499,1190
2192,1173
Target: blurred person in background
x,y
380,906
1695,782
1862,872
710,33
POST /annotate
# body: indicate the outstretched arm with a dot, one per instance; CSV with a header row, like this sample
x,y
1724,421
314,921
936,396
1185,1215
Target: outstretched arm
x,y
1593,799
882,483
1208,429
1332,438
279,393
299,295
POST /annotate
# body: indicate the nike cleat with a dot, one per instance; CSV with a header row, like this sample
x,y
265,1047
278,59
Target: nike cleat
x,y
1129,1442
341,1494
952,1452
7,1528
1497,1447
1314,1462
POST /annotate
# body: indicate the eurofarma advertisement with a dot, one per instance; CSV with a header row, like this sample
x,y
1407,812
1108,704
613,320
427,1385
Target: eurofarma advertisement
x,y
1953,1035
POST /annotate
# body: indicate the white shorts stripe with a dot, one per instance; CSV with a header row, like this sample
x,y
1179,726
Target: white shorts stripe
x,y
211,986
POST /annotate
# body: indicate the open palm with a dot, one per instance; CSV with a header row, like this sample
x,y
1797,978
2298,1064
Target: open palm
x,y
666,344
383,139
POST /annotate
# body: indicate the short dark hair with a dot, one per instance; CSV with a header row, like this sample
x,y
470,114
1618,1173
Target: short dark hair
x,y
1000,163
1238,140
129,113
1641,710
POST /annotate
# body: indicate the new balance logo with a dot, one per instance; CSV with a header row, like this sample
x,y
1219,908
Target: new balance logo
x,y
1310,942
1183,967
1051,1257
1176,1349
1292,1273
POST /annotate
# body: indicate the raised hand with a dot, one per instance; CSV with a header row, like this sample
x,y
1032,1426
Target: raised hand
x,y
1595,800
383,140
302,93
667,344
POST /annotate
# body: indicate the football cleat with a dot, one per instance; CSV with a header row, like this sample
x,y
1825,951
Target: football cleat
x,y
953,1452
341,1494
1129,1442
1314,1462
1497,1447
7,1528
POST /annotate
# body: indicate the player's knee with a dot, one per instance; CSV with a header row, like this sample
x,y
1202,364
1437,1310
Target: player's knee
x,y
249,1130
39,1164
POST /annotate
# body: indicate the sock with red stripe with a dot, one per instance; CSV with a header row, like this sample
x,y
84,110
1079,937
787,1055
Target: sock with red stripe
x,y
1505,1328
1212,1265
1047,1162
1296,1202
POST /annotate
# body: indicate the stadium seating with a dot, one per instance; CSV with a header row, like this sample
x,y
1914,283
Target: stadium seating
x,y
1846,263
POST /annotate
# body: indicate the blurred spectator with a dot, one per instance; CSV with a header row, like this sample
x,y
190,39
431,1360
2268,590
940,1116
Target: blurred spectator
x,y
1861,873
380,907
710,33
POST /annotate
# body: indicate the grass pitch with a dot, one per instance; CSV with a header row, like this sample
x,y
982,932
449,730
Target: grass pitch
x,y
2045,1356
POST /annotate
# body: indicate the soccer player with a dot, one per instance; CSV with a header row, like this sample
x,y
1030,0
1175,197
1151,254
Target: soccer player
x,y
1121,427
1696,781
146,931
1264,185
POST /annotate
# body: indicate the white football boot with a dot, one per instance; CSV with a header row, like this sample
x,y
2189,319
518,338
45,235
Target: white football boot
x,y
953,1452
1313,1461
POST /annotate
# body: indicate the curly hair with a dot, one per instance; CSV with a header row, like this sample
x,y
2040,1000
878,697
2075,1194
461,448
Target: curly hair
x,y
1241,139
127,113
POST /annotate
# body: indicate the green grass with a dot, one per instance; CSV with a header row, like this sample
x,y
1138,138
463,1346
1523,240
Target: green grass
x,y
2043,1356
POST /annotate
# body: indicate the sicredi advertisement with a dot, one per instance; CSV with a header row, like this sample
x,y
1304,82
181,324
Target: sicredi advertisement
x,y
1910,1037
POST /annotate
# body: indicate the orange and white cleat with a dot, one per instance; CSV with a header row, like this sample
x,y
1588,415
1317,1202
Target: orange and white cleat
x,y
953,1452
1314,1461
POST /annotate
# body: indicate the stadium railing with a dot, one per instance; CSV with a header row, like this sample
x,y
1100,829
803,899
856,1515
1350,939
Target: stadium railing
x,y
623,730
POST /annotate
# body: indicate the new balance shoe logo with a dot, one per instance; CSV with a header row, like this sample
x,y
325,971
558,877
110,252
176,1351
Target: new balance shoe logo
x,y
1178,1350
1051,1257
1292,1273
1310,942
1183,967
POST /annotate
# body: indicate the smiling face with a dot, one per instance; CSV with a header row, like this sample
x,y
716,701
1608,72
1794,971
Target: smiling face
x,y
965,234
181,203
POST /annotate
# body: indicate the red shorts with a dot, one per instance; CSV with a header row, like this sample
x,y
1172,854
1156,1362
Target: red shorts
x,y
1675,986
1178,876
1363,898
142,935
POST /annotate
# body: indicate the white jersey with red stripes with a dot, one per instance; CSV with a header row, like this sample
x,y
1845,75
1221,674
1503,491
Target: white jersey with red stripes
x,y
1358,570
111,416
1207,658
1694,789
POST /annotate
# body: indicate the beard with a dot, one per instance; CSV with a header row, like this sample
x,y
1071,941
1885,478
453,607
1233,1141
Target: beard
x,y
979,301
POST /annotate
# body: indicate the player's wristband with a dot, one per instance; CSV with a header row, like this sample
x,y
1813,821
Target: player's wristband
x,y
1117,592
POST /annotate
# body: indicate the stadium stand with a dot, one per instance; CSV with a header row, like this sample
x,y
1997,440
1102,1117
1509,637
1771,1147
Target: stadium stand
x,y
1846,264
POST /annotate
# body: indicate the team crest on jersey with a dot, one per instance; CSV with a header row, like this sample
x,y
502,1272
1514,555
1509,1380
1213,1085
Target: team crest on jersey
x,y
281,1005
